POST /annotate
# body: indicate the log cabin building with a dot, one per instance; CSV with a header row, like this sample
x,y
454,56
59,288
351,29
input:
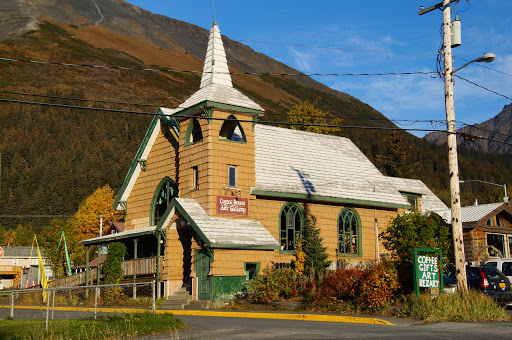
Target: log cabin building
x,y
219,196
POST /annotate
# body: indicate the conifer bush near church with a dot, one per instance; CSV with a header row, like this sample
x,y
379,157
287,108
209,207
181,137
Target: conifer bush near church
x,y
113,272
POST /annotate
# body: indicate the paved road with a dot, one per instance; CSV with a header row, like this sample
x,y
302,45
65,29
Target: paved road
x,y
206,327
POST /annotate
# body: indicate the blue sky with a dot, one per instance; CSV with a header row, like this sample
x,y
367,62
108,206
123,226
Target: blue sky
x,y
394,26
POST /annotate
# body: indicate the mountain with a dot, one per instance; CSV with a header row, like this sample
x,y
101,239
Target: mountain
x,y
56,153
498,128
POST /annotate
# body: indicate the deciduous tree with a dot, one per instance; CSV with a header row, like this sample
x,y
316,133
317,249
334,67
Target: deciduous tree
x,y
307,113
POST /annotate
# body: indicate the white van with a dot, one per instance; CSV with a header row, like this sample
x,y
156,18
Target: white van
x,y
503,264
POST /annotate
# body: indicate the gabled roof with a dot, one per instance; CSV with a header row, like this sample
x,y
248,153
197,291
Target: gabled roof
x,y
22,252
475,213
224,232
292,163
216,86
429,201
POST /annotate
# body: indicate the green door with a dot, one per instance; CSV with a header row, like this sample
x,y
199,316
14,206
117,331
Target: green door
x,y
202,266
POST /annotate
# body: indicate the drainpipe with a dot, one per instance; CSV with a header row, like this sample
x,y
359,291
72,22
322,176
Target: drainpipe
x,y
376,235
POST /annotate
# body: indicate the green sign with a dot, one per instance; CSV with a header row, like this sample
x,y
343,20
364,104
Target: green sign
x,y
428,269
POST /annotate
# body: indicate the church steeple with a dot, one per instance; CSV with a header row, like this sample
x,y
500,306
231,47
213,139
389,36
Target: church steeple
x,y
215,69
216,86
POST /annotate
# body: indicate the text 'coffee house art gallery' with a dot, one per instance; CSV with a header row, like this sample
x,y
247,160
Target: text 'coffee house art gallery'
x,y
221,197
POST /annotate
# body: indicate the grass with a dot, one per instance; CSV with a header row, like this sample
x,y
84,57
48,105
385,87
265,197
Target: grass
x,y
109,327
475,306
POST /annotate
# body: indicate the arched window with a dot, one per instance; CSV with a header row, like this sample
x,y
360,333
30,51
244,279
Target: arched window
x,y
164,193
232,130
194,133
349,232
291,223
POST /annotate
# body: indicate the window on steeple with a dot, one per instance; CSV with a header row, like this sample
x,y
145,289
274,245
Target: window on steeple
x,y
194,133
232,130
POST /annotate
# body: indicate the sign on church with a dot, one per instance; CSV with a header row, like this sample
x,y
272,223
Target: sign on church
x,y
232,205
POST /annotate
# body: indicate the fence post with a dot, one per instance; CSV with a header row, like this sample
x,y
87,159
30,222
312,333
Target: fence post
x,y
53,303
153,288
95,302
12,305
47,307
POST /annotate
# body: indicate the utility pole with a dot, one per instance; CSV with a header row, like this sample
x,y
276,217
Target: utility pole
x,y
458,240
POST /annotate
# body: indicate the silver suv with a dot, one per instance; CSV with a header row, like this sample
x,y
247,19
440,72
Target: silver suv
x,y
503,264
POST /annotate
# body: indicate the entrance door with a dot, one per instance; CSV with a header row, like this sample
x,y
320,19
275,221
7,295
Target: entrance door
x,y
202,266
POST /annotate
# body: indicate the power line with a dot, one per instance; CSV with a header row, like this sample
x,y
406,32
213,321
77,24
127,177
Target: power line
x,y
487,67
232,73
486,130
248,121
80,99
483,87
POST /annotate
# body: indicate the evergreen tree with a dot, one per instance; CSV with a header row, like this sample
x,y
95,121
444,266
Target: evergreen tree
x,y
316,255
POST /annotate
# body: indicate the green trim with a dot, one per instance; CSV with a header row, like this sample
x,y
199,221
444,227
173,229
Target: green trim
x,y
358,235
286,252
190,130
300,210
231,129
208,112
412,197
255,120
257,271
135,161
327,199
159,187
118,237
202,236
209,104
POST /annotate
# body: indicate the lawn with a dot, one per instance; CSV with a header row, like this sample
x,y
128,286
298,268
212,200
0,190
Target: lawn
x,y
104,327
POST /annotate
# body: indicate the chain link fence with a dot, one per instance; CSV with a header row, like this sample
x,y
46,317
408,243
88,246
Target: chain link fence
x,y
76,302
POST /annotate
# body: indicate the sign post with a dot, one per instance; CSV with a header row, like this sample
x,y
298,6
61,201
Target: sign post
x,y
428,270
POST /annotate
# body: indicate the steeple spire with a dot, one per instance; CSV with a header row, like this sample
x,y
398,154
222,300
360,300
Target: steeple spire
x,y
215,69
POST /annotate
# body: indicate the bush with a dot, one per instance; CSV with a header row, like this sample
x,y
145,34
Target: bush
x,y
378,286
340,285
274,285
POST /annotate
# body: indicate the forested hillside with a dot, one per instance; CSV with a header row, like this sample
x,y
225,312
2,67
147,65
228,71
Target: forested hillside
x,y
53,157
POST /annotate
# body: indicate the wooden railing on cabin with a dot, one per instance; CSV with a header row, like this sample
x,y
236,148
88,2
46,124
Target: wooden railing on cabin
x,y
143,267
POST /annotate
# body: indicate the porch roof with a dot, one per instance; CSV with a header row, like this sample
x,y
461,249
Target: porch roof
x,y
127,234
225,232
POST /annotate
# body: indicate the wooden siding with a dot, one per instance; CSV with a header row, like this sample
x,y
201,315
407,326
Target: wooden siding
x,y
161,162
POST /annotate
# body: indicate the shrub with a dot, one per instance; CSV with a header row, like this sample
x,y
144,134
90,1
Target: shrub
x,y
340,285
378,285
272,285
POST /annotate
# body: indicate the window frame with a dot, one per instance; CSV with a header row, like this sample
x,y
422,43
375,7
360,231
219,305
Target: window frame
x,y
235,173
284,210
504,245
193,125
358,234
413,197
163,183
228,128
195,178
256,270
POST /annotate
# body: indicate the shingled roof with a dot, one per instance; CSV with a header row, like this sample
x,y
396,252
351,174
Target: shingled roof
x,y
319,166
429,201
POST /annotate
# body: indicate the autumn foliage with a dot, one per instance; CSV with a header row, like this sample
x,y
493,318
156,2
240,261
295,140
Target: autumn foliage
x,y
99,203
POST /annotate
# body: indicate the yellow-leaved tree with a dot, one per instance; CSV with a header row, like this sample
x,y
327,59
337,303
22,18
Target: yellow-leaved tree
x,y
99,203
313,119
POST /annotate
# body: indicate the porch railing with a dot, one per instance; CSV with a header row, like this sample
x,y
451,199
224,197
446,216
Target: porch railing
x,y
143,267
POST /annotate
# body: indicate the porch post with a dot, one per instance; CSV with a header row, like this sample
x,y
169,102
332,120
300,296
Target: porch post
x,y
98,266
135,241
158,239
86,265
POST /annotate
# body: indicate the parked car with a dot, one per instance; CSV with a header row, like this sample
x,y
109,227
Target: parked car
x,y
489,280
503,264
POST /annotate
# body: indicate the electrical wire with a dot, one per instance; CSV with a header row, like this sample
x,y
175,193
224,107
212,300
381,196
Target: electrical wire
x,y
247,121
487,67
483,87
201,72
